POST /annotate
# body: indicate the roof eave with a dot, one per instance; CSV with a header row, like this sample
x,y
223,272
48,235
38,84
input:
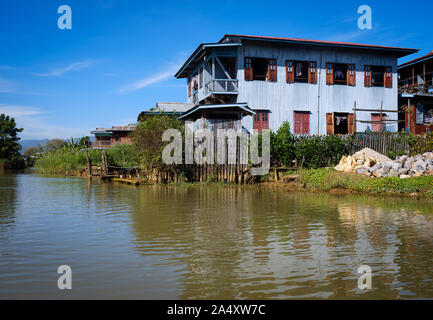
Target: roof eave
x,y
402,52
415,61
202,47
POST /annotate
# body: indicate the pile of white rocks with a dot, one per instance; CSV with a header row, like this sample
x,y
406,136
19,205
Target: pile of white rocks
x,y
372,164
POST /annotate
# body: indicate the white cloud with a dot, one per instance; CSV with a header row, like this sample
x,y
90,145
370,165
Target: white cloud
x,y
158,77
36,123
72,67
162,76
7,86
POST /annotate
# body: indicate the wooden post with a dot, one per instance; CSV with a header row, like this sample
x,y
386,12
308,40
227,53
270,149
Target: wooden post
x,y
424,78
409,115
354,117
104,162
381,118
89,162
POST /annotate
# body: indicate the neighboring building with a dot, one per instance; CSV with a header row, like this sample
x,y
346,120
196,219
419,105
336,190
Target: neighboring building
x,y
416,90
110,137
312,84
166,108
220,116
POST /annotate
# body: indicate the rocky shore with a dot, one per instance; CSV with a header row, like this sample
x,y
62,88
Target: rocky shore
x,y
369,163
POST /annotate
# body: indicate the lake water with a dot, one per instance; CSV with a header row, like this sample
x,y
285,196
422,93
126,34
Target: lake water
x,y
207,242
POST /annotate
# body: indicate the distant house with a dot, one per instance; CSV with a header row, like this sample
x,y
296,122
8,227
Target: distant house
x,y
109,137
261,82
166,108
416,90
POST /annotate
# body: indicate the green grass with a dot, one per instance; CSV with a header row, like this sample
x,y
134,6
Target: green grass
x,y
327,179
66,160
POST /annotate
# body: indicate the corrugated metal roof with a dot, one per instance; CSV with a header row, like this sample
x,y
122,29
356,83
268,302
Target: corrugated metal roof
x,y
172,106
399,52
242,106
321,42
202,47
426,57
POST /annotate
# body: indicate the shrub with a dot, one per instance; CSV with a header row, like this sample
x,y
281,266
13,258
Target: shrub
x,y
282,146
308,151
147,139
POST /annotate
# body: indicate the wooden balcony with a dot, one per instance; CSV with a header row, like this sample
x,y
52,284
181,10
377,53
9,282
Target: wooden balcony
x,y
419,84
221,86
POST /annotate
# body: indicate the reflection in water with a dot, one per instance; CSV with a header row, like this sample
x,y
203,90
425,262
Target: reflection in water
x,y
208,242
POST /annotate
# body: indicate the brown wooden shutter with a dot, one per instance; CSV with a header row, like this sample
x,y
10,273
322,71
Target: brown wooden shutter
x,y
367,76
290,71
272,70
351,75
265,120
388,77
312,72
329,73
248,67
330,123
351,126
302,122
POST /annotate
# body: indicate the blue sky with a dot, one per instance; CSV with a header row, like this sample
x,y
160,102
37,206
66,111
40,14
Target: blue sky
x,y
121,55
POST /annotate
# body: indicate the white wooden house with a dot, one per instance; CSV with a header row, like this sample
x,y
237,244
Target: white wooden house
x,y
312,84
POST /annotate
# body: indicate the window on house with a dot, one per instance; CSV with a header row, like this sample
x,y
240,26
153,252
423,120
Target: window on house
x,y
263,69
424,113
340,123
340,73
301,71
377,122
260,68
302,122
377,76
261,120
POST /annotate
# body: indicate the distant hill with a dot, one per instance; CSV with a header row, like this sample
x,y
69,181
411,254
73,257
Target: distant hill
x,y
31,143
34,143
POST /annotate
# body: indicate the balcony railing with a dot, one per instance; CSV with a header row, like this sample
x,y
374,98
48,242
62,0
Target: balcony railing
x,y
221,86
195,97
418,84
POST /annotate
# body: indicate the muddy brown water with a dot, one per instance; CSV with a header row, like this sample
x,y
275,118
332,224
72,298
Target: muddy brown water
x,y
207,242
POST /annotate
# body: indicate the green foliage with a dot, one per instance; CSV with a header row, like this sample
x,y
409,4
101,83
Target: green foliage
x,y
394,154
33,151
147,139
308,151
14,163
9,146
282,146
420,144
320,151
326,179
69,160
77,144
123,155
54,145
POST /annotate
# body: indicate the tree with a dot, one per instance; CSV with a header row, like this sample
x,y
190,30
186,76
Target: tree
x,y
9,146
33,151
54,144
147,139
